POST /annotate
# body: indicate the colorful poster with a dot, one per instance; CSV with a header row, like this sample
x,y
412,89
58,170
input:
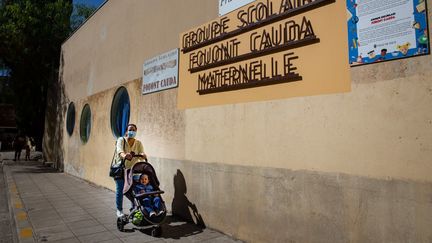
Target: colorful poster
x,y
161,72
381,30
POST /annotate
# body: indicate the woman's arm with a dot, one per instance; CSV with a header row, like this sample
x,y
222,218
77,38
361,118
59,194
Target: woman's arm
x,y
120,145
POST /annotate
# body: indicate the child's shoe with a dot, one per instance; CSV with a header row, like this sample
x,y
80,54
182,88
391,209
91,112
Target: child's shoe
x,y
152,213
160,212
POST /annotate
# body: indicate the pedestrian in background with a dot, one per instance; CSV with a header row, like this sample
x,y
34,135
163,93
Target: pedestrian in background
x,y
18,145
27,148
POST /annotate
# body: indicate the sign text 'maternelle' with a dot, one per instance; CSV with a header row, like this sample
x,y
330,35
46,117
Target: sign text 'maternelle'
x,y
214,45
254,46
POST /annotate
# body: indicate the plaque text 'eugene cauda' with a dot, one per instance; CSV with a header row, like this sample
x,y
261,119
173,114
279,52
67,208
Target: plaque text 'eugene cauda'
x,y
216,46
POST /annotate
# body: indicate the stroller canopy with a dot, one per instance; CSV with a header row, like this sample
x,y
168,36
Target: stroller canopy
x,y
140,168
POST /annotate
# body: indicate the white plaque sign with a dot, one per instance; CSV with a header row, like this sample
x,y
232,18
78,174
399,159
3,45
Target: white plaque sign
x,y
161,72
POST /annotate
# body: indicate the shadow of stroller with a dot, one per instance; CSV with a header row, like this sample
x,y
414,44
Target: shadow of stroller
x,y
181,206
175,228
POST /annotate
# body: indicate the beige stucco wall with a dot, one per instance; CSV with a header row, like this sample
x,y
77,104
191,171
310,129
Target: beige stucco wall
x,y
112,46
109,51
383,128
380,129
371,147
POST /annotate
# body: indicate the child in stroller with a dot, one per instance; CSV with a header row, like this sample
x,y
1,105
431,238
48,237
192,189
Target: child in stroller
x,y
151,203
139,215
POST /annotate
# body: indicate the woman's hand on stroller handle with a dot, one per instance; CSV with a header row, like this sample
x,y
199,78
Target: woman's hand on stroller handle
x,y
132,154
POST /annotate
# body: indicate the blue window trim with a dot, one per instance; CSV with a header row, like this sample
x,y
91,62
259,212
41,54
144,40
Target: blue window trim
x,y
70,119
85,123
120,112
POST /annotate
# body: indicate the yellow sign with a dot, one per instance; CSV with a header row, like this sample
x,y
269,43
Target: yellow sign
x,y
269,49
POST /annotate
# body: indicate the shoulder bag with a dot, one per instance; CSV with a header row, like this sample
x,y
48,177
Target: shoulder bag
x,y
117,172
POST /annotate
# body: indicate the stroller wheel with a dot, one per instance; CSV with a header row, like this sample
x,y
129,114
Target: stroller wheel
x,y
120,225
156,231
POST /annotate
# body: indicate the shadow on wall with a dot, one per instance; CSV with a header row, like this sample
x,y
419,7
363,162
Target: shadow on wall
x,y
181,206
56,106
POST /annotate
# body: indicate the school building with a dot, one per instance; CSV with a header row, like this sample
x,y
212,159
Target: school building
x,y
262,129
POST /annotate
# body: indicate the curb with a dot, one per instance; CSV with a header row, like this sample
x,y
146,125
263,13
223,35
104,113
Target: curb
x,y
23,232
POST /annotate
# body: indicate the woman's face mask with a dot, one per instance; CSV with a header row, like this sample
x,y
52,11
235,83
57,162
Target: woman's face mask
x,y
131,134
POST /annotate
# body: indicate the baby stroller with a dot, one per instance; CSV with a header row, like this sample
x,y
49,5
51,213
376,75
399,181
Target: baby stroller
x,y
138,215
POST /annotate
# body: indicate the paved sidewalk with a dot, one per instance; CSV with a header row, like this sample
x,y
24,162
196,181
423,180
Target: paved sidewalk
x,y
55,207
5,222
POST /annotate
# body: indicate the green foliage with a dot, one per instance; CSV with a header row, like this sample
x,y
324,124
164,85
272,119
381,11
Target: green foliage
x,y
31,33
80,14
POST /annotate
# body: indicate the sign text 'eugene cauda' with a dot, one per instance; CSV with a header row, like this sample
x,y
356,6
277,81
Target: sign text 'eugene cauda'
x,y
161,72
215,46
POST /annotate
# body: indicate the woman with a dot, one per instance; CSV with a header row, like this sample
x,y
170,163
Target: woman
x,y
126,148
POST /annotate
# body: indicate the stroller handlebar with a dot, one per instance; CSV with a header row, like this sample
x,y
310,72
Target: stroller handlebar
x,y
138,156
145,194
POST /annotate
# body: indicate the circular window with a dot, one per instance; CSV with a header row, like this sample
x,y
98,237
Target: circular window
x,y
120,110
70,118
85,123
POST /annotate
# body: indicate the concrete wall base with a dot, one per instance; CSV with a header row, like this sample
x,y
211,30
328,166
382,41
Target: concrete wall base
x,y
259,204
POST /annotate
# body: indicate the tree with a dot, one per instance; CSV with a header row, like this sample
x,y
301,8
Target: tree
x,y
80,14
31,34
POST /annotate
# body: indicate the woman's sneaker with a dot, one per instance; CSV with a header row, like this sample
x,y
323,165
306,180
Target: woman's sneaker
x,y
119,214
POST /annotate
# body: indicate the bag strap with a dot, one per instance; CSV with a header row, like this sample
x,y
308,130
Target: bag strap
x,y
115,150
